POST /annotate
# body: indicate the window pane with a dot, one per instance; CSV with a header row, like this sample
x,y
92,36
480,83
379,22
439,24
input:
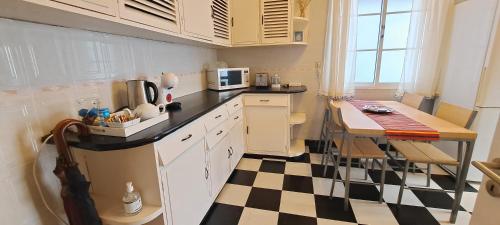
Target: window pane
x,y
392,66
399,5
396,30
365,66
369,6
368,32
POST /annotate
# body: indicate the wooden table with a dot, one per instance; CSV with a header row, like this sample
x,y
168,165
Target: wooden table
x,y
357,124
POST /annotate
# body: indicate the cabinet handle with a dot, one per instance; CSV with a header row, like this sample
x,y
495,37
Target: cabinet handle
x,y
264,100
229,153
235,118
262,17
232,150
206,173
220,132
232,21
218,116
236,105
186,138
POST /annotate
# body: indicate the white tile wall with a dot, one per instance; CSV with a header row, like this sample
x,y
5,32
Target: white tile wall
x,y
44,70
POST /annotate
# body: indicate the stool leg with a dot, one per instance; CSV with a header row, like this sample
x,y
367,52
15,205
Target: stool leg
x,y
335,172
382,180
428,174
327,155
403,182
366,168
414,167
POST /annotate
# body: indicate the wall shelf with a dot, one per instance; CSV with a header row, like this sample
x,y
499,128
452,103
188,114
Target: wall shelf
x,y
111,212
300,23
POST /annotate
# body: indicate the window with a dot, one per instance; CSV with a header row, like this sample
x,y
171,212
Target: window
x,y
382,33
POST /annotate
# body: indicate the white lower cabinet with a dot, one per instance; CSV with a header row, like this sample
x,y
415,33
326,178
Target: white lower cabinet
x,y
198,164
220,156
188,186
237,143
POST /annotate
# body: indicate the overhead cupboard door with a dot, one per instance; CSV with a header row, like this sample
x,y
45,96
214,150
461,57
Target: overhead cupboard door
x,y
102,6
196,18
275,21
245,22
220,16
162,14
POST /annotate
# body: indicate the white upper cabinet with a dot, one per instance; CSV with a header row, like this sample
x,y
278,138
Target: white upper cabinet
x,y
221,19
196,18
275,21
245,22
102,6
161,14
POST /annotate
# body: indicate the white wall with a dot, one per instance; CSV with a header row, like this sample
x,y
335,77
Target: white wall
x,y
44,70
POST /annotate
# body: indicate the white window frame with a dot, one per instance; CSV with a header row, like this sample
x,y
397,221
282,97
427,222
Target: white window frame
x,y
379,50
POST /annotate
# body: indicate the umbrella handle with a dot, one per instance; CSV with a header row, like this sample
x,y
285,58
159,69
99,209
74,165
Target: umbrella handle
x,y
60,141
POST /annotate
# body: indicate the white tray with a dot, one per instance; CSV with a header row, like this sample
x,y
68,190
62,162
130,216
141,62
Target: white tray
x,y
125,132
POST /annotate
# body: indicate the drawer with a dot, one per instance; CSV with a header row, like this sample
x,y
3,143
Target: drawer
x,y
214,136
234,105
215,117
176,143
235,118
266,100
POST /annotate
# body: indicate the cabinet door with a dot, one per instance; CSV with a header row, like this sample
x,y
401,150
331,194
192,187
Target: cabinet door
x,y
102,6
219,165
221,19
162,14
275,21
267,128
197,18
245,22
237,143
188,185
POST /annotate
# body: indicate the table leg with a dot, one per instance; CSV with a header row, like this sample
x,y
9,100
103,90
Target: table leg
x,y
461,181
349,141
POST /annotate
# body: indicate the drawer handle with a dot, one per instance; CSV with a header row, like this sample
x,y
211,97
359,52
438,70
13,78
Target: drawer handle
x,y
206,173
235,118
264,100
218,116
229,154
232,150
236,105
220,132
186,138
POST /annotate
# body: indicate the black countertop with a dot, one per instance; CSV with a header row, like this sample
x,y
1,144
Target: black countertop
x,y
193,107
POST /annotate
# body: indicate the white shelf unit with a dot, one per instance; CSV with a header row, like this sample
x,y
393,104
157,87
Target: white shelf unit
x,y
300,23
297,147
297,118
111,212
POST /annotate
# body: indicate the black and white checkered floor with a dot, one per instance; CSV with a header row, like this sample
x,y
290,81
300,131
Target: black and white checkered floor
x,y
263,191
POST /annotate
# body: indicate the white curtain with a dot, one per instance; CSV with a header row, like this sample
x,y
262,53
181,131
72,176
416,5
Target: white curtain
x,y
427,27
339,58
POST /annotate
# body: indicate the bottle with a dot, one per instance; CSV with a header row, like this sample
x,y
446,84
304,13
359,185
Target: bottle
x,y
132,203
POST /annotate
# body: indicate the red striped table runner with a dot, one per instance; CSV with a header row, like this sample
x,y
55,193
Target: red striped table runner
x,y
397,125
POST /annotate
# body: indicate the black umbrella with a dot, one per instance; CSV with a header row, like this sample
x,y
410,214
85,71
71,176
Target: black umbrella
x,y
79,206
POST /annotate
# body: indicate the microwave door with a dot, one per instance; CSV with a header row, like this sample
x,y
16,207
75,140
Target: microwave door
x,y
224,79
235,77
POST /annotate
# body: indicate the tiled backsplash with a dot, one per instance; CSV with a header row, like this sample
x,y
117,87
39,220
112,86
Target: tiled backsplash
x,y
44,70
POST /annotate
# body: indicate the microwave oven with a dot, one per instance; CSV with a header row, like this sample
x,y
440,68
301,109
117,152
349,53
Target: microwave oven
x,y
228,78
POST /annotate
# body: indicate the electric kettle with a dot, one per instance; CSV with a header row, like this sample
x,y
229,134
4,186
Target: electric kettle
x,y
140,92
